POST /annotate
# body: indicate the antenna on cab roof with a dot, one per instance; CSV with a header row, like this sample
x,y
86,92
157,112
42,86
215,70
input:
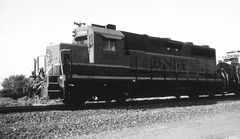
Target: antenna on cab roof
x,y
79,24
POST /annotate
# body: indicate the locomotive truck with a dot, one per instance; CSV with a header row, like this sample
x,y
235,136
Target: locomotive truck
x,y
107,64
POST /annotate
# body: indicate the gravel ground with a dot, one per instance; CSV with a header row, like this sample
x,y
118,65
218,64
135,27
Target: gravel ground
x,y
76,122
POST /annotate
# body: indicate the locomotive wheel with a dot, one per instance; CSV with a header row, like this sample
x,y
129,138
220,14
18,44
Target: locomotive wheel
x,y
75,99
177,96
66,102
108,101
224,94
211,95
78,102
122,98
237,94
74,102
70,97
193,96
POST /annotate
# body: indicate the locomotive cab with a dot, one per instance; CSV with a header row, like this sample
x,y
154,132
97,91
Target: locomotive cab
x,y
105,44
93,47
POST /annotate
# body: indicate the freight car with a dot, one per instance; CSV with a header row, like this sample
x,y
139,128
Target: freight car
x,y
107,64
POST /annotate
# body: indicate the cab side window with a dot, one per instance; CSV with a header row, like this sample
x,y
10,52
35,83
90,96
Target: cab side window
x,y
109,45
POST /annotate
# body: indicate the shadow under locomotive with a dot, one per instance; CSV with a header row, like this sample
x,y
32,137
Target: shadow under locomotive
x,y
128,105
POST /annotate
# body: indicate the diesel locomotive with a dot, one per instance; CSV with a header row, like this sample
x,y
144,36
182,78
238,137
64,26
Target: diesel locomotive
x,y
107,64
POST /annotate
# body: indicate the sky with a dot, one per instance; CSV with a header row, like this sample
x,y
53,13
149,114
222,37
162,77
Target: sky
x,y
28,26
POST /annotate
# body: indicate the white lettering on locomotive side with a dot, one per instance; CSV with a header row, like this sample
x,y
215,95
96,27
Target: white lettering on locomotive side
x,y
231,56
81,32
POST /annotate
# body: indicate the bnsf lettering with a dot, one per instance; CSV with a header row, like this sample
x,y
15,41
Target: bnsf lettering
x,y
168,63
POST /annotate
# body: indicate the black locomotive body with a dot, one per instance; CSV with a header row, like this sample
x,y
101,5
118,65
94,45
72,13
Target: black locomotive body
x,y
108,64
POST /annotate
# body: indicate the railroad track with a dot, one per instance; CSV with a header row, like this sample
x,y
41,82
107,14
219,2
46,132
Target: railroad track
x,y
143,103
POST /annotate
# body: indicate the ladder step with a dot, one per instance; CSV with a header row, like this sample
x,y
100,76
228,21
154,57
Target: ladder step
x,y
54,91
53,78
53,83
53,86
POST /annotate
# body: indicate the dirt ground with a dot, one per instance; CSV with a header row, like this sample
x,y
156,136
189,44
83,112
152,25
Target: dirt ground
x,y
212,126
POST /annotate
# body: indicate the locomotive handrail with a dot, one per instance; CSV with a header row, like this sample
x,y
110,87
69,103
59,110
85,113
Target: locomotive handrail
x,y
61,62
215,76
197,76
225,77
136,72
151,69
237,75
206,75
66,50
66,89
